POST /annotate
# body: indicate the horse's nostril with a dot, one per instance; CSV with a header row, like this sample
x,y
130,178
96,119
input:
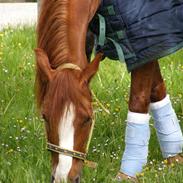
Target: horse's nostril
x,y
77,180
52,179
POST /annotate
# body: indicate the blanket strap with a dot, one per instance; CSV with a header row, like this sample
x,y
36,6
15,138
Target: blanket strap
x,y
102,32
102,38
118,49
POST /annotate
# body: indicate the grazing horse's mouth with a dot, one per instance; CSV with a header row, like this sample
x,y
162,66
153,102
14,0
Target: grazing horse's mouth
x,y
52,179
77,180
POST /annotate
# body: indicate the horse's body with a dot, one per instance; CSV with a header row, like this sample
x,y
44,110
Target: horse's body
x,y
63,94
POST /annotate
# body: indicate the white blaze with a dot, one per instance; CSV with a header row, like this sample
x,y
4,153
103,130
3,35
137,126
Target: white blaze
x,y
66,140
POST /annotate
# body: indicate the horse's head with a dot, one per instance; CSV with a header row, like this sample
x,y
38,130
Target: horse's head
x,y
66,107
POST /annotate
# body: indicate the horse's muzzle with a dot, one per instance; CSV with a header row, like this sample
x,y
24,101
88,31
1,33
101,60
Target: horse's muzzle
x,y
77,180
52,179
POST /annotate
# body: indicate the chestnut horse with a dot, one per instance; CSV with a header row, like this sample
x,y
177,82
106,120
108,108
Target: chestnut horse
x,y
62,89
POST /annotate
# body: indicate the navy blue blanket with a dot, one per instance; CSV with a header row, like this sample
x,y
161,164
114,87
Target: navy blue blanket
x,y
146,30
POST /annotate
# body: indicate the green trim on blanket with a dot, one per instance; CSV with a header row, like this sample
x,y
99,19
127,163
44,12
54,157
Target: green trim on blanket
x,y
163,54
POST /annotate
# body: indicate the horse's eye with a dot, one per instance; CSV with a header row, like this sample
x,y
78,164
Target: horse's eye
x,y
44,117
87,120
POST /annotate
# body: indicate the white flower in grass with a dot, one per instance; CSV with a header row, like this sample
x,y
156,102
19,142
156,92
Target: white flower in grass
x,y
19,150
23,129
94,150
8,163
107,140
5,70
28,131
159,168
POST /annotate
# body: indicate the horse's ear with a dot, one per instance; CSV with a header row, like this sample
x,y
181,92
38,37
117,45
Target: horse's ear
x,y
43,64
91,68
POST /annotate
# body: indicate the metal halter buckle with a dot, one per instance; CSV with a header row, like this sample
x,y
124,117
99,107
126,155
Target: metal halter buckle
x,y
71,153
57,149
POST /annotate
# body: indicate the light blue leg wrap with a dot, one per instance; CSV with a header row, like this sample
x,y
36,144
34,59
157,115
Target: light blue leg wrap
x,y
167,127
136,149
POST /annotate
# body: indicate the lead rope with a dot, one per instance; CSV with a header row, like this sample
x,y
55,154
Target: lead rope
x,y
90,135
88,163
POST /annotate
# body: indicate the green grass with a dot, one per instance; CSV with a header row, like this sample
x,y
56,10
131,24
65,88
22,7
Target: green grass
x,y
23,157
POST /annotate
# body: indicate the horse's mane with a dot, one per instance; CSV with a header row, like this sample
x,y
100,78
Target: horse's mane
x,y
52,30
52,38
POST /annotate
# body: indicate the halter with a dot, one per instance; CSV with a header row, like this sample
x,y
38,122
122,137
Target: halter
x,y
72,153
68,66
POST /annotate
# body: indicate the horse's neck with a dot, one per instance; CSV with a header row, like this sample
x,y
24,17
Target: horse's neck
x,y
80,13
76,41
64,40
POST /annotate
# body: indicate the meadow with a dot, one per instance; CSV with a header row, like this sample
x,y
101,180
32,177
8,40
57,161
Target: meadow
x,y
23,154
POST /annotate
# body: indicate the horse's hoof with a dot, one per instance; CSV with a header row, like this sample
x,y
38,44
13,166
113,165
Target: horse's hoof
x,y
175,159
121,177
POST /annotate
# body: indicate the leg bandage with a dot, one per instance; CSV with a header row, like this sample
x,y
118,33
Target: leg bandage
x,y
136,139
167,127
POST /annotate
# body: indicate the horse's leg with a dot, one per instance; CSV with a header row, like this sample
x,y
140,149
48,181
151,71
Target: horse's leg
x,y
166,122
158,91
137,130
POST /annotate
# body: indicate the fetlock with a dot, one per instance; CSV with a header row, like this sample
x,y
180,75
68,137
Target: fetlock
x,y
178,159
123,177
